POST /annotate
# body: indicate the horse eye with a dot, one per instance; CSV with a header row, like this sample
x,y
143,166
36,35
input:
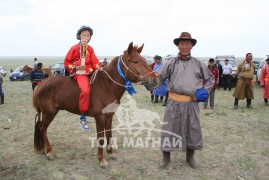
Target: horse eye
x,y
135,62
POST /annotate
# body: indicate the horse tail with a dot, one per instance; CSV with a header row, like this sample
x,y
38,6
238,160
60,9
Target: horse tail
x,y
38,138
35,101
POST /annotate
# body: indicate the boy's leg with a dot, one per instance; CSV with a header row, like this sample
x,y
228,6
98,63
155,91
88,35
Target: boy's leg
x,y
84,98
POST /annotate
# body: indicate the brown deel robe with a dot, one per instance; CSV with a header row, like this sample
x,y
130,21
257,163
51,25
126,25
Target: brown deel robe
x,y
182,129
244,86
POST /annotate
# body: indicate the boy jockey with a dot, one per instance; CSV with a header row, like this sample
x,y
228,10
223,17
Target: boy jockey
x,y
81,61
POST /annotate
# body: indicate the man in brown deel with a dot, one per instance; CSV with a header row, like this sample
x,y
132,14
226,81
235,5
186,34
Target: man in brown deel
x,y
244,86
181,129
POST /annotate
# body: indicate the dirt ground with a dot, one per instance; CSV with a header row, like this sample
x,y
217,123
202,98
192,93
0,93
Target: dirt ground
x,y
236,143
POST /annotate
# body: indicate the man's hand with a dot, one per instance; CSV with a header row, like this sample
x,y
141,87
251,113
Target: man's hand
x,y
193,98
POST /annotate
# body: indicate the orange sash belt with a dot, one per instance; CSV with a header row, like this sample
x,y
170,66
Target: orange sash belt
x,y
179,97
266,79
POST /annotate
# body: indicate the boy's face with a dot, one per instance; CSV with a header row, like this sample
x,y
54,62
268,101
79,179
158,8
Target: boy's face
x,y
85,36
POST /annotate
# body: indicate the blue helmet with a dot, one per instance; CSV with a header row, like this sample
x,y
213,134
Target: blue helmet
x,y
83,28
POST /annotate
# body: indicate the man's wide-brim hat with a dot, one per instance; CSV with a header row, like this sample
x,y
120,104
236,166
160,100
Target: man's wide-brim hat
x,y
185,36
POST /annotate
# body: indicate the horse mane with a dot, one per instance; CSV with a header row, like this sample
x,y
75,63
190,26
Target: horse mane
x,y
114,61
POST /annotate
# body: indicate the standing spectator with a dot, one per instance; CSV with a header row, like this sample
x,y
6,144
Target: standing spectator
x,y
219,66
244,86
265,81
104,63
36,75
1,90
151,91
161,90
214,70
227,74
35,62
181,117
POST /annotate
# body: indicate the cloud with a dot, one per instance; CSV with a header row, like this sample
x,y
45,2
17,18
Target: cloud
x,y
49,27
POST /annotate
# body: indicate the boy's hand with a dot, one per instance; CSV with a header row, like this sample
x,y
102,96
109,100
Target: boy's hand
x,y
80,68
100,68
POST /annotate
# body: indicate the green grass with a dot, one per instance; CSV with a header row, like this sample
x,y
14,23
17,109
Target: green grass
x,y
236,142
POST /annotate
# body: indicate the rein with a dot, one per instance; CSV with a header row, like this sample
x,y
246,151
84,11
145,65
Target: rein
x,y
128,85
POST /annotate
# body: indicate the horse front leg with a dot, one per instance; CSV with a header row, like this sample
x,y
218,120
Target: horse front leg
x,y
100,126
108,127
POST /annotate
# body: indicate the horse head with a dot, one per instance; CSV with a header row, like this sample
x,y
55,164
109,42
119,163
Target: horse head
x,y
26,68
136,68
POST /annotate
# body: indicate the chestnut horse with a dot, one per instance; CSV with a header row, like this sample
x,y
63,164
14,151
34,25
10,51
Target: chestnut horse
x,y
44,70
107,87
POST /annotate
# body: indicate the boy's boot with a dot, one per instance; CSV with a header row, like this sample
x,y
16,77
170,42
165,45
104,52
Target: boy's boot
x,y
83,122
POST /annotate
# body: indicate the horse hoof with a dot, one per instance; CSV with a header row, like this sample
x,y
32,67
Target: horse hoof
x,y
49,157
103,164
112,157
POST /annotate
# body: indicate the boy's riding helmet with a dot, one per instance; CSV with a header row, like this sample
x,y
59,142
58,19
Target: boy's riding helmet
x,y
83,28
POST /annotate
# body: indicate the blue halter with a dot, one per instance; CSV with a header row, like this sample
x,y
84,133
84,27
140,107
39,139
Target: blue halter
x,y
128,85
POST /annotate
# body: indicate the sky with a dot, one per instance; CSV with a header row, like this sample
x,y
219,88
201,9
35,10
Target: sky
x,y
49,27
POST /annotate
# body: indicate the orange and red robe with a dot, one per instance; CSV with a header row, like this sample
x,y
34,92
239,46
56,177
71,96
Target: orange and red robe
x,y
73,59
265,81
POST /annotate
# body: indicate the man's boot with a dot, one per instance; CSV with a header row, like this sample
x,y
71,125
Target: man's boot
x,y
165,101
236,103
249,104
152,98
2,98
266,102
190,158
156,99
166,159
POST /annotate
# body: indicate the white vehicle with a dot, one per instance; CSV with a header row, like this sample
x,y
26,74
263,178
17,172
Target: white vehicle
x,y
262,63
170,56
3,71
231,61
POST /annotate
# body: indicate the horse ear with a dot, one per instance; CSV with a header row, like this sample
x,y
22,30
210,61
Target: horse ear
x,y
130,48
139,50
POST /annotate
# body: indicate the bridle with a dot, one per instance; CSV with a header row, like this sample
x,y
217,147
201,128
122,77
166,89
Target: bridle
x,y
141,77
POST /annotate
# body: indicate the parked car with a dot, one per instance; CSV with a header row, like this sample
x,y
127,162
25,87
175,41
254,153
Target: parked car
x,y
3,71
258,75
233,62
169,56
19,75
257,64
60,68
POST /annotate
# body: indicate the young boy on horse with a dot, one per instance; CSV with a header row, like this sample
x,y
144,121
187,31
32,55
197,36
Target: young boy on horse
x,y
81,61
